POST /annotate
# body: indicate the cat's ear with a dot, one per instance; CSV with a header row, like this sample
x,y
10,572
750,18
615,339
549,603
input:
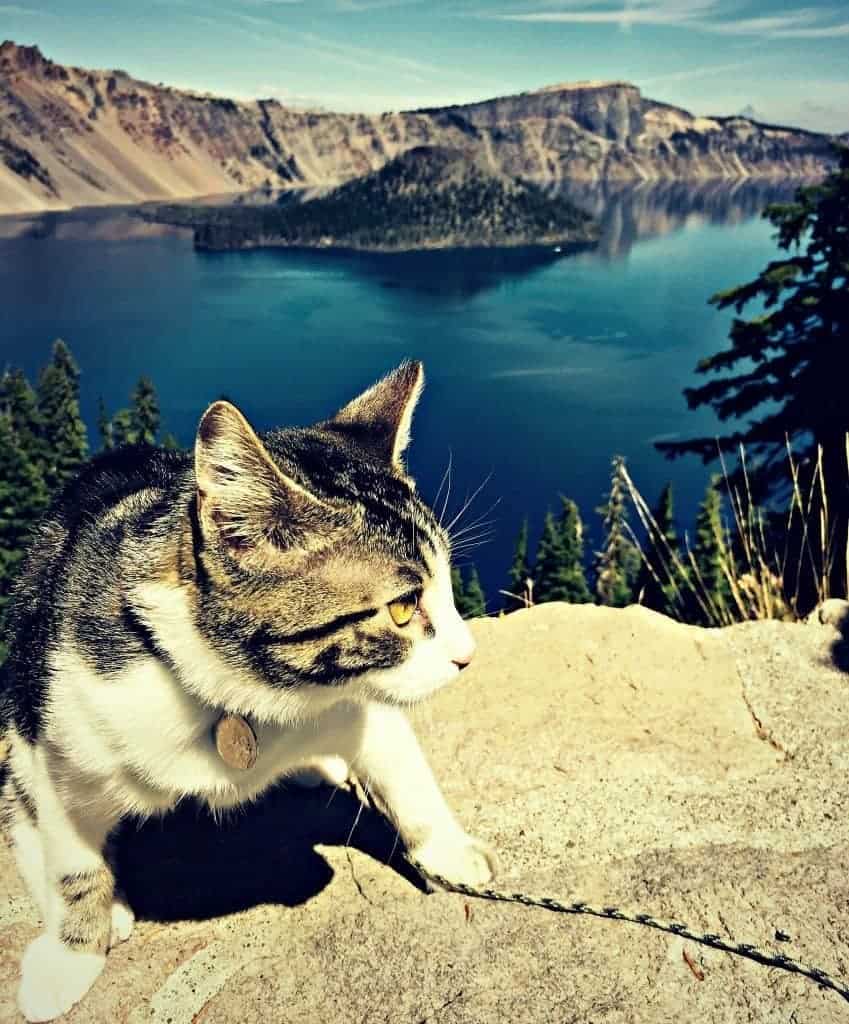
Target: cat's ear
x,y
379,419
243,498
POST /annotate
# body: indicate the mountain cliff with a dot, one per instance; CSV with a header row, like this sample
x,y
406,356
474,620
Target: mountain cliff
x,y
71,137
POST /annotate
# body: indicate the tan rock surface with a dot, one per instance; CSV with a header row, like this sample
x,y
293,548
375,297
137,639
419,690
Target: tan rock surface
x,y
609,755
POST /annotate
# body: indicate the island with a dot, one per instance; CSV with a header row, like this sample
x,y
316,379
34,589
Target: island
x,y
429,197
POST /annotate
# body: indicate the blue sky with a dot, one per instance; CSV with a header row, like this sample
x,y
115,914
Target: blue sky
x,y
785,61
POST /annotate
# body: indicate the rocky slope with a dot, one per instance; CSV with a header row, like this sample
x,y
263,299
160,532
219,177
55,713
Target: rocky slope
x,y
71,136
429,197
616,756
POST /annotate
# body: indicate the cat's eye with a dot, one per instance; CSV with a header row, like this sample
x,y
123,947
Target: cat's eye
x,y
403,610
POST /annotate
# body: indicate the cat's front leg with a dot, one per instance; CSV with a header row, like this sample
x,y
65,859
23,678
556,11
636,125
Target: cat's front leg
x,y
62,964
391,763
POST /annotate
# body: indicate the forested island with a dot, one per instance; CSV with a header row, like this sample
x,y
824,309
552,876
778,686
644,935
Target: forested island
x,y
427,198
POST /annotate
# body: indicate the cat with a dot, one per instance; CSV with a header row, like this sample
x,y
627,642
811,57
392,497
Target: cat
x,y
294,581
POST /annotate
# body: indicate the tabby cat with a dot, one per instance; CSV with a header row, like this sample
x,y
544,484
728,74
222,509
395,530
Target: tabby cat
x,y
293,581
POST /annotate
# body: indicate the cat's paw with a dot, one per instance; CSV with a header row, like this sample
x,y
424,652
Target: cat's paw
x,y
54,978
458,858
123,920
323,771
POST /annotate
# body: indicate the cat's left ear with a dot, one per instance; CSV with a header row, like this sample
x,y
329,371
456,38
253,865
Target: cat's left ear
x,y
379,419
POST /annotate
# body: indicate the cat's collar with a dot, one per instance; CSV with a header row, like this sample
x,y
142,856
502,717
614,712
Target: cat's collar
x,y
235,741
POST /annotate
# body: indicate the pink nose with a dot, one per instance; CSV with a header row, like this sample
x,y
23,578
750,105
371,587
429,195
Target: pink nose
x,y
465,657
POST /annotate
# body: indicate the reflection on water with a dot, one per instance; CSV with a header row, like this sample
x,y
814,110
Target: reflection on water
x,y
625,212
440,274
630,212
88,225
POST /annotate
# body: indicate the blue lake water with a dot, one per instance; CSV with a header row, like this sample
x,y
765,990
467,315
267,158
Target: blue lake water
x,y
540,367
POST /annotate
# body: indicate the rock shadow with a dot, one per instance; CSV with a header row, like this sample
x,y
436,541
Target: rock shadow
x,y
187,865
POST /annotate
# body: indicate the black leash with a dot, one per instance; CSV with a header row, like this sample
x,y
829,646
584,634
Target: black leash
x,y
743,949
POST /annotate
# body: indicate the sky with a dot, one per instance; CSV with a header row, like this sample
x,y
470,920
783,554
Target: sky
x,y
778,61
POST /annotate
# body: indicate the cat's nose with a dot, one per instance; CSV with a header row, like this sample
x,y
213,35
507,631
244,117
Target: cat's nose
x,y
463,658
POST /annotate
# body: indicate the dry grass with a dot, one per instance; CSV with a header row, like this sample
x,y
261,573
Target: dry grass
x,y
766,579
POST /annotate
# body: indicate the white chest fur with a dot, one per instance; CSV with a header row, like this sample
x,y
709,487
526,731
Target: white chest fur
x,y
145,741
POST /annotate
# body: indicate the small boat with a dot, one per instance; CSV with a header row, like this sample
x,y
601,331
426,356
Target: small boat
x,y
558,248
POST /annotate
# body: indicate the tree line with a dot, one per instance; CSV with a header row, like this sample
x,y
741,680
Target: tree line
x,y
652,567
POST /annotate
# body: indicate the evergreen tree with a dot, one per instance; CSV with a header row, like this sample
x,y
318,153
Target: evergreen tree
x,y
572,530
144,413
710,554
549,561
519,573
784,371
122,428
617,564
63,430
559,568
469,597
18,401
104,427
170,443
658,582
22,499
458,589
475,597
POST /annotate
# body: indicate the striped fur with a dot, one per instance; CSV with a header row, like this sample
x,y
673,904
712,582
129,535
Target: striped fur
x,y
253,577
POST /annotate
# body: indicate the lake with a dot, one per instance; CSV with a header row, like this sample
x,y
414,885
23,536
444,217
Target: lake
x,y
540,366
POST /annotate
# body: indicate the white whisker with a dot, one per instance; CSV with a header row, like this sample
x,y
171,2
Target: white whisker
x,y
469,501
448,491
435,501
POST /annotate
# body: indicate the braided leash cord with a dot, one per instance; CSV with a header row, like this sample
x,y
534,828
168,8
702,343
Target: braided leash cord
x,y
744,949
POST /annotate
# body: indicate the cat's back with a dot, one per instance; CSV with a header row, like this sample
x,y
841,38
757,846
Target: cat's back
x,y
88,546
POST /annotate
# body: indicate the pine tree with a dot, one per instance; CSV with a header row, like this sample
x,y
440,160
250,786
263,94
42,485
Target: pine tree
x,y
783,374
658,583
22,498
145,418
549,561
18,401
617,564
519,573
475,597
104,427
559,568
170,443
458,589
469,597
710,554
63,430
572,530
122,428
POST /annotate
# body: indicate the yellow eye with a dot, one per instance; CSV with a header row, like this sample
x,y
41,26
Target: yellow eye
x,y
403,610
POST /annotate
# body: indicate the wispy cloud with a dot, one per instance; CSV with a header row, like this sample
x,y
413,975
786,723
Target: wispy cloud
x,y
697,15
631,12
360,6
690,73
359,58
23,12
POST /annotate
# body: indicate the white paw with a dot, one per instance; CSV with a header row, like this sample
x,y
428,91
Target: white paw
x,y
323,771
54,978
457,857
123,920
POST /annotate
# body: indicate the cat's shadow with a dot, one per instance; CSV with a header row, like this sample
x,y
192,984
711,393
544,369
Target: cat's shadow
x,y
188,866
